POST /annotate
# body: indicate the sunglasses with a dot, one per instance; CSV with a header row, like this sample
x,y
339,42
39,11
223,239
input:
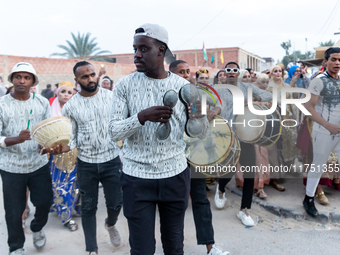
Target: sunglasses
x,y
234,70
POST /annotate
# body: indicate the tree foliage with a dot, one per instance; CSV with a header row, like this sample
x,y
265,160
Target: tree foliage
x,y
327,43
83,48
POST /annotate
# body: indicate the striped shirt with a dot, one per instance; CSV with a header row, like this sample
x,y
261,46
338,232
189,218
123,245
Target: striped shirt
x,y
90,118
21,158
144,155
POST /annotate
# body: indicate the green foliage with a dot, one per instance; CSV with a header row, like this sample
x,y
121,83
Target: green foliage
x,y
327,43
286,46
83,48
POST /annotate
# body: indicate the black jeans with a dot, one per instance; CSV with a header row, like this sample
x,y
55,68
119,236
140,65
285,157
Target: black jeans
x,y
140,199
14,188
89,176
202,212
247,158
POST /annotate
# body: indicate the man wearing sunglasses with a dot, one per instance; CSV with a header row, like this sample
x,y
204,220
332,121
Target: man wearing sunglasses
x,y
247,157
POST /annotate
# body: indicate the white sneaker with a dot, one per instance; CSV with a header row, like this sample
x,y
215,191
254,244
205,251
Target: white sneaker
x,y
245,218
217,251
114,235
39,239
93,253
17,252
220,198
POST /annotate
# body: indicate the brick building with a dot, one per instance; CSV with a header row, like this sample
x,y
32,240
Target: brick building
x,y
52,70
195,58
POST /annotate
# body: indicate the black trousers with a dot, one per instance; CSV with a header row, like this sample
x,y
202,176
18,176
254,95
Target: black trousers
x,y
140,197
202,212
14,188
89,175
247,158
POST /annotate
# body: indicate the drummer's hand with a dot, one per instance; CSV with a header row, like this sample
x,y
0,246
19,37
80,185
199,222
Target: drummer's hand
x,y
155,114
211,114
41,150
24,136
58,149
197,109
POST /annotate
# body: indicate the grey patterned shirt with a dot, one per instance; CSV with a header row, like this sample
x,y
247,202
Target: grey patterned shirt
x,y
144,155
90,118
14,114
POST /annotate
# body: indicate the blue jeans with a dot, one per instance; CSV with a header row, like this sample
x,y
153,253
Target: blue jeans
x,y
89,176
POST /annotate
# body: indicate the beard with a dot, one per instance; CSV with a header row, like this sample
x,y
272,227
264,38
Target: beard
x,y
87,89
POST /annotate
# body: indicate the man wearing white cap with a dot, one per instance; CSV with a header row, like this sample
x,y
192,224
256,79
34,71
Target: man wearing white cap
x,y
155,172
20,161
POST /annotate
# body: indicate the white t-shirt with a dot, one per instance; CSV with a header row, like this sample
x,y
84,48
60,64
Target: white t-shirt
x,y
328,105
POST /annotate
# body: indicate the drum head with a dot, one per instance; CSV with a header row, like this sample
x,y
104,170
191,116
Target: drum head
x,y
254,126
208,151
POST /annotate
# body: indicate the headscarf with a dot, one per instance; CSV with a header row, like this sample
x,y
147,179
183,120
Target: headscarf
x,y
291,74
56,109
242,72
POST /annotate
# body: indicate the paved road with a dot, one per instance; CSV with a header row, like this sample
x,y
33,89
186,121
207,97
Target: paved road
x,y
284,237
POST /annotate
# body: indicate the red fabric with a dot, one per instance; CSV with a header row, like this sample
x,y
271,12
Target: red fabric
x,y
303,139
51,100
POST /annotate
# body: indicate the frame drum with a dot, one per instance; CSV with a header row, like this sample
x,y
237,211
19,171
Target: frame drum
x,y
219,147
258,129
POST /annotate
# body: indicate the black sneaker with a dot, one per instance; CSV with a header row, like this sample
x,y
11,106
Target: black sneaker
x,y
310,207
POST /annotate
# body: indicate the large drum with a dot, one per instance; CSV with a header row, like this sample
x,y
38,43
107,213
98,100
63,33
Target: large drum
x,y
220,147
263,130
53,131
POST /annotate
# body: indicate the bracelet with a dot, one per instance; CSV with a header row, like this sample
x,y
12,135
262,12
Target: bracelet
x,y
2,142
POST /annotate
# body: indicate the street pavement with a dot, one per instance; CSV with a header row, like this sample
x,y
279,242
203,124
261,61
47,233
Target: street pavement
x,y
273,234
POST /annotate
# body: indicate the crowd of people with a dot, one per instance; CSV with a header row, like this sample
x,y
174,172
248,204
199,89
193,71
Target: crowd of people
x,y
148,172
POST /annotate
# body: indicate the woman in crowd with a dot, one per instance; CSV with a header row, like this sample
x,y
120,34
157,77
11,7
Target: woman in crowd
x,y
262,177
107,83
244,76
63,167
221,77
284,151
294,78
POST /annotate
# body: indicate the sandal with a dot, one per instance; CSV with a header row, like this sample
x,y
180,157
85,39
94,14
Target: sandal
x,y
278,186
322,198
71,225
261,194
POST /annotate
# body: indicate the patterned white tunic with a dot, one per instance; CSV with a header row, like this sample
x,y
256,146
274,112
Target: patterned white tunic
x,y
14,114
144,155
90,123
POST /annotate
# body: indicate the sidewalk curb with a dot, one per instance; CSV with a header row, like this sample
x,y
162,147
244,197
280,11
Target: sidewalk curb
x,y
297,214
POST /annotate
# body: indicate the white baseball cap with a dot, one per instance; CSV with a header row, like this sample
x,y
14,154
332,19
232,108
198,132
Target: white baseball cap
x,y
156,32
23,67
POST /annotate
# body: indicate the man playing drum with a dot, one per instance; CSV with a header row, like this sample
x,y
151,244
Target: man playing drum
x,y
98,159
20,161
247,157
200,202
155,171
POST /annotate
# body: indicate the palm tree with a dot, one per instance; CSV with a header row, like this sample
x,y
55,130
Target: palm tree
x,y
83,48
327,43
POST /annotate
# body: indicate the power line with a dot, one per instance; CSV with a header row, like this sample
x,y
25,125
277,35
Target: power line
x,y
330,22
206,25
326,20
